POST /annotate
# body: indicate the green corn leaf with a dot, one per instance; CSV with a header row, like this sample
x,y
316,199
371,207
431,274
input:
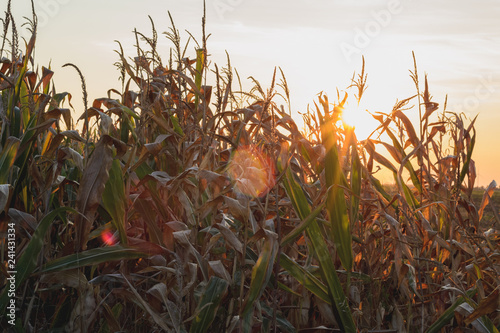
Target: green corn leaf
x,y
114,201
289,290
380,189
335,201
130,112
126,127
449,314
305,278
15,125
177,126
340,304
409,196
92,257
7,157
200,62
355,180
13,113
246,322
32,132
29,258
488,324
302,226
261,272
25,105
281,321
208,305
127,123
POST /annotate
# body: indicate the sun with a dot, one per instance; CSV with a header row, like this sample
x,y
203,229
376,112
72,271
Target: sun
x,y
357,116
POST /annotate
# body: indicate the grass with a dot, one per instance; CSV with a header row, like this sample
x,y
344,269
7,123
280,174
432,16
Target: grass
x,y
187,207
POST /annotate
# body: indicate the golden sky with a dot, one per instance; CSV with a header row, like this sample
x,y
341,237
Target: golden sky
x,y
317,43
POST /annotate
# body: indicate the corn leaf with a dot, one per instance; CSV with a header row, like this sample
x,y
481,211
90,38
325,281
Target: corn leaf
x,y
488,193
340,305
305,278
7,158
208,305
93,257
29,258
200,62
261,272
413,175
92,186
149,213
156,317
281,321
449,314
302,226
114,201
335,201
470,149
356,171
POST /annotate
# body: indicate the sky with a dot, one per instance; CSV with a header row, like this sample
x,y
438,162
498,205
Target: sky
x,y
317,43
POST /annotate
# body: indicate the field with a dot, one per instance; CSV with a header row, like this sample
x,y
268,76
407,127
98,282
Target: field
x,y
175,204
490,218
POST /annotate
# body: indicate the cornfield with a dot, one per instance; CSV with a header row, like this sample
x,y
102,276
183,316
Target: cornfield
x,y
172,205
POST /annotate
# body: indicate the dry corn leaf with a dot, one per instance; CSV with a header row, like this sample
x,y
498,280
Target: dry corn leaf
x,y
230,237
488,193
486,306
92,185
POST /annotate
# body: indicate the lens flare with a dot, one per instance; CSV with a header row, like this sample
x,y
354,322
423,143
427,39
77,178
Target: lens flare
x,y
108,237
252,171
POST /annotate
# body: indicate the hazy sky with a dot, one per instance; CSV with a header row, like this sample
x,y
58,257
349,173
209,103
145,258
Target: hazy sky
x,y
317,43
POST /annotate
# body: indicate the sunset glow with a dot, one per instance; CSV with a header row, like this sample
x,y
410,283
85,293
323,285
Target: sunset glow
x,y
458,50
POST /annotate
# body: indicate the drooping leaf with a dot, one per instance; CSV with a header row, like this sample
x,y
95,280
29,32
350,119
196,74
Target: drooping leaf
x,y
230,237
92,186
410,130
304,277
488,193
292,235
486,306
